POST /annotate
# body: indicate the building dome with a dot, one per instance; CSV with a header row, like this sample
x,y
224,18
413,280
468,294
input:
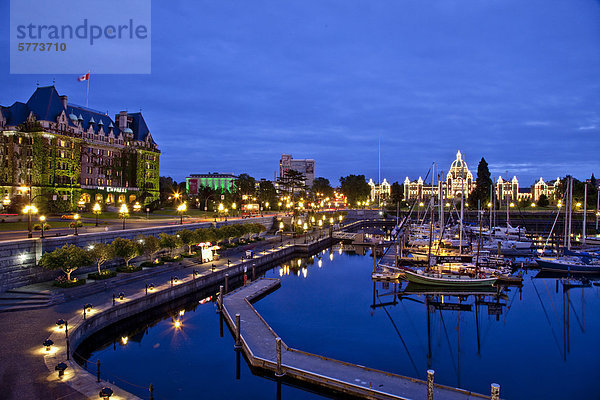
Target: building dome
x,y
458,163
73,117
127,130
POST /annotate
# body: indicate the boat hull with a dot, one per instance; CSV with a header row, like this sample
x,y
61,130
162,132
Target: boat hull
x,y
557,266
448,280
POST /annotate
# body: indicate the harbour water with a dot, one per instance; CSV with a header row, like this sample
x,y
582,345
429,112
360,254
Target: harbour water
x,y
538,342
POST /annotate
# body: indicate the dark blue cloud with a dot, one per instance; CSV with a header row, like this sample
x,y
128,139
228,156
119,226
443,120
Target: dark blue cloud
x,y
235,84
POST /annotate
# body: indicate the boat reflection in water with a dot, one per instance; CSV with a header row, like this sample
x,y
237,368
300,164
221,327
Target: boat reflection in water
x,y
438,302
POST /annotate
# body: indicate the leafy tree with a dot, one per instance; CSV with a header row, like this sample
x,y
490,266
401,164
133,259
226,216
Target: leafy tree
x,y
321,185
543,201
125,249
396,192
188,238
267,192
150,246
482,184
355,188
170,242
100,253
246,185
67,258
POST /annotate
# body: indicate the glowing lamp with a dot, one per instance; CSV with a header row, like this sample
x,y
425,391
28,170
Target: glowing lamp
x,y
48,344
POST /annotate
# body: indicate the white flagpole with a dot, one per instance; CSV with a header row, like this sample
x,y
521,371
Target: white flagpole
x,y
87,95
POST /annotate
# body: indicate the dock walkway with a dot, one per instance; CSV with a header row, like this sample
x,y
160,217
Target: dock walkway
x,y
259,345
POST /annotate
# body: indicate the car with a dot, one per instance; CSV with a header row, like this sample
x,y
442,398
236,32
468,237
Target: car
x,y
68,216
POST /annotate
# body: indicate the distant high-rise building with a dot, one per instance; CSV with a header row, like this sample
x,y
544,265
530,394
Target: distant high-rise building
x,y
305,167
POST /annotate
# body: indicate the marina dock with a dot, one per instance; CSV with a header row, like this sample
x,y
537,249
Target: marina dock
x,y
258,341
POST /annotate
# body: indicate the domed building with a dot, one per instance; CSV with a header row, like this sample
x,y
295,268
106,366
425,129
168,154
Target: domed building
x,y
459,178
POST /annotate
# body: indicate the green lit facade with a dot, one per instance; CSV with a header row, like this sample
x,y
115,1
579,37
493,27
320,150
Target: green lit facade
x,y
224,183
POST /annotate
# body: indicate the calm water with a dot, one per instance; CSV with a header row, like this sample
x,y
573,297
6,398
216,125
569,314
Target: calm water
x,y
540,343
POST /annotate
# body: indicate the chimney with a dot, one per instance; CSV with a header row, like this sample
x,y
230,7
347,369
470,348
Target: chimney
x,y
122,120
63,100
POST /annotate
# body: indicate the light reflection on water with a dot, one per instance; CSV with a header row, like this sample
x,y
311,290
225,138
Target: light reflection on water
x,y
537,342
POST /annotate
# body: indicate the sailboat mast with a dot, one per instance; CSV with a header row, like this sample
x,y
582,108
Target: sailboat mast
x,y
584,213
570,211
379,177
462,203
507,205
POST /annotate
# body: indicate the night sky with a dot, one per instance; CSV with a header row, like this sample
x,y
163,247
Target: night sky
x,y
235,84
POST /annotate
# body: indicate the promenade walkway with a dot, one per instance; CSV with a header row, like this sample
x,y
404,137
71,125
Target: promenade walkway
x,y
259,344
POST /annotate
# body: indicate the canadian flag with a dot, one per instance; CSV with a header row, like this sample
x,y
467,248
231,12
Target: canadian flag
x,y
85,77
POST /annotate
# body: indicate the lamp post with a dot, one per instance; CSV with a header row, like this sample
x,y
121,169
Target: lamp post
x,y
281,226
123,213
181,209
97,210
29,209
76,222
42,223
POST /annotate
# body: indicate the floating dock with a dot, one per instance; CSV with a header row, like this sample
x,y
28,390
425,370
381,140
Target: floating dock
x,y
259,343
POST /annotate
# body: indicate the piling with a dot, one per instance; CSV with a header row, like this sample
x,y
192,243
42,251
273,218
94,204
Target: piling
x,y
279,371
98,371
238,332
430,374
151,389
226,283
253,272
220,299
495,392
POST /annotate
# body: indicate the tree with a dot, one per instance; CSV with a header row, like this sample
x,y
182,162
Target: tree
x,y
355,188
482,184
321,185
67,258
246,185
543,201
267,192
188,238
100,253
396,193
125,249
292,180
150,246
170,242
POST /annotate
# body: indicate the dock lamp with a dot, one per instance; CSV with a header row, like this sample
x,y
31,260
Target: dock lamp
x,y
48,344
42,223
123,213
181,209
97,210
29,209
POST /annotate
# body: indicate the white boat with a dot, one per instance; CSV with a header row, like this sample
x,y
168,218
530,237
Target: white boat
x,y
440,279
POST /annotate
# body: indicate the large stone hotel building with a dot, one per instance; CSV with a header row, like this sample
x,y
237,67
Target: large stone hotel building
x,y
72,156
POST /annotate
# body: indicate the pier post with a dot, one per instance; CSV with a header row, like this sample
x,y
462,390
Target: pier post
x,y
220,298
279,372
226,283
374,260
238,332
430,374
499,246
495,392
253,272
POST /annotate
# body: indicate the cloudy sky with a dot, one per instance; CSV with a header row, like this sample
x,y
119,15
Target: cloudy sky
x,y
235,84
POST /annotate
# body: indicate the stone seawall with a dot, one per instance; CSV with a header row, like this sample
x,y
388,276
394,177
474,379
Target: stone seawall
x,y
18,258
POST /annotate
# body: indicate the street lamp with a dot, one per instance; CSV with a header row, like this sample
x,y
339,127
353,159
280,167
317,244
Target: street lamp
x,y
76,222
42,223
30,209
181,209
281,226
123,213
97,210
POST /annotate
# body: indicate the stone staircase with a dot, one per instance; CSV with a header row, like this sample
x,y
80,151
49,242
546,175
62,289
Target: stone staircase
x,y
24,299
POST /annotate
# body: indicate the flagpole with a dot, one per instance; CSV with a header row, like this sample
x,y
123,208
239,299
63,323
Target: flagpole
x,y
87,95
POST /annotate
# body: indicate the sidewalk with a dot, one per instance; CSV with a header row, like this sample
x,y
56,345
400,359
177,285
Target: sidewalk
x,y
23,374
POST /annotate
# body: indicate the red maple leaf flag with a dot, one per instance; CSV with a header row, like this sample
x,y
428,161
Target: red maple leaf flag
x,y
85,77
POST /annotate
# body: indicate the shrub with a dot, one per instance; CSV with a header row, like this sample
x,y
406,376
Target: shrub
x,y
102,275
129,269
63,282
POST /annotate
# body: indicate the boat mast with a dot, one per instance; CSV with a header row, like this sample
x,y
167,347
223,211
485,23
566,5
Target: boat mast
x,y
570,211
462,203
379,177
584,213
491,207
507,205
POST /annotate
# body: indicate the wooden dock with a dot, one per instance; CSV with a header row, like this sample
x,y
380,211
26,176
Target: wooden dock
x,y
258,342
